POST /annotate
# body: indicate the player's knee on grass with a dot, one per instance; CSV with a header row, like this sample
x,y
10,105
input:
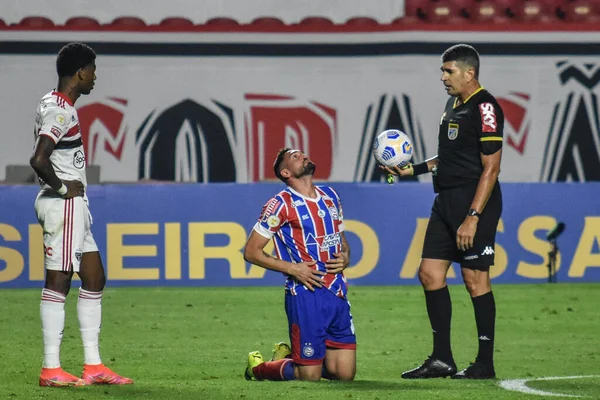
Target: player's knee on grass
x,y
58,281
345,373
310,373
340,364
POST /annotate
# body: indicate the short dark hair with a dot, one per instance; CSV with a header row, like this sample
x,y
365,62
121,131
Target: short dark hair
x,y
278,161
465,54
72,57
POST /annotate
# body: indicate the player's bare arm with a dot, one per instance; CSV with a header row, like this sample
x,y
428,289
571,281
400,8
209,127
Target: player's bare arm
x,y
341,260
409,170
487,181
302,272
40,162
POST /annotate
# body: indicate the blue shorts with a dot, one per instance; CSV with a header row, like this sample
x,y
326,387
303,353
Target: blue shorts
x,y
318,320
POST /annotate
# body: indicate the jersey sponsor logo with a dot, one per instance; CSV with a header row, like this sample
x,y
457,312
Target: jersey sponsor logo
x,y
488,117
572,148
79,159
515,106
55,131
324,242
102,128
389,111
270,208
488,251
188,142
276,121
452,131
330,241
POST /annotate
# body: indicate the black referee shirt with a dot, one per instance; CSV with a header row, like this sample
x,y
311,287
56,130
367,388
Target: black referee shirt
x,y
463,130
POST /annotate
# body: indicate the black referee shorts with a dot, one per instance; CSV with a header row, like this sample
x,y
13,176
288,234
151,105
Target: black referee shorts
x,y
448,213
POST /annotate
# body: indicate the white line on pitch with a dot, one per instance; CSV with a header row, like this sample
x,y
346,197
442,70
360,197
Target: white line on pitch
x,y
520,385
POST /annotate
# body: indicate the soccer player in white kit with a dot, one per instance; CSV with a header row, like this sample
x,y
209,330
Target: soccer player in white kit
x,y
62,209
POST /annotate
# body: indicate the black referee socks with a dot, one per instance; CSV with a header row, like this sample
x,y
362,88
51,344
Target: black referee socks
x,y
485,318
439,309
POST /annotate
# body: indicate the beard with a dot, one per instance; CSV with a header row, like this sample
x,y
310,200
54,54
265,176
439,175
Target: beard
x,y
309,169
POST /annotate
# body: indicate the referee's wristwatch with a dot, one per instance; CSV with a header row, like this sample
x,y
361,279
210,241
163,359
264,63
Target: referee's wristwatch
x,y
473,213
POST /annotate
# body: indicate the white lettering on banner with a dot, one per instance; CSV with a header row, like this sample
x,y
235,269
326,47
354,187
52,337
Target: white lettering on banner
x,y
488,117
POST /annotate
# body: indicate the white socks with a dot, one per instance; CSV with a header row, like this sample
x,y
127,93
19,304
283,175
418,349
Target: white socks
x,y
52,314
89,312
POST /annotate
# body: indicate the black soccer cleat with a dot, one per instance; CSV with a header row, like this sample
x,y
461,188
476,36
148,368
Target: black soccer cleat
x,y
431,368
477,370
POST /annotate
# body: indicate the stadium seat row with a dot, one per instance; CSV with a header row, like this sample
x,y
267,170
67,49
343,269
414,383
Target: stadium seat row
x,y
417,12
449,11
134,23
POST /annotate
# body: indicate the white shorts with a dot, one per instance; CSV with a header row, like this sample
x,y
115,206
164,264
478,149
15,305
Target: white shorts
x,y
67,231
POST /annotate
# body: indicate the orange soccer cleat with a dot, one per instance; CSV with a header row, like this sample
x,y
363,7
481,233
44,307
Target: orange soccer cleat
x,y
102,375
58,377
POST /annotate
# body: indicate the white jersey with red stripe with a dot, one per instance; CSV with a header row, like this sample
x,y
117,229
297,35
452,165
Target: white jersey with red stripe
x,y
306,229
57,118
66,222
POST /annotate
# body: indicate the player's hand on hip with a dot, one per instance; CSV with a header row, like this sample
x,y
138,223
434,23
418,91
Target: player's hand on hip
x,y
74,189
404,171
307,275
466,233
337,264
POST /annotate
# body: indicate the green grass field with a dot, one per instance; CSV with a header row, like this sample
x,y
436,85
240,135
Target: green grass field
x,y
192,343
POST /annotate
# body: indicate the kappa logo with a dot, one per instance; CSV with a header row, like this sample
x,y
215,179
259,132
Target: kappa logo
x,y
390,111
573,148
517,119
102,129
488,251
188,142
274,122
488,117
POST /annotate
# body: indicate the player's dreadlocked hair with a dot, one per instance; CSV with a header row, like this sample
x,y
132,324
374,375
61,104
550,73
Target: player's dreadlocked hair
x,y
277,164
465,54
72,57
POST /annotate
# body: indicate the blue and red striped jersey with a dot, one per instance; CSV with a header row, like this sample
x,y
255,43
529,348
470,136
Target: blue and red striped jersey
x,y
305,229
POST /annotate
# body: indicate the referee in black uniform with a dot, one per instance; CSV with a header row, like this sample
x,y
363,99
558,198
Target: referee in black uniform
x,y
465,213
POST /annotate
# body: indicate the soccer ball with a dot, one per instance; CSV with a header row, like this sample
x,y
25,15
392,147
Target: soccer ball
x,y
392,148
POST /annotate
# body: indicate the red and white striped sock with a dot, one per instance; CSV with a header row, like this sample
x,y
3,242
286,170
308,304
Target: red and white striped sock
x,y
52,314
89,312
